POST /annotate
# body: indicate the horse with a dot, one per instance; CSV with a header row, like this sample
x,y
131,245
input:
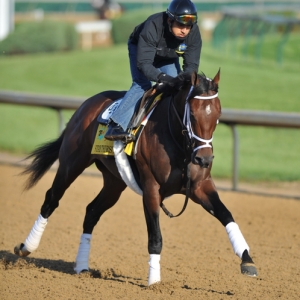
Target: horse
x,y
174,155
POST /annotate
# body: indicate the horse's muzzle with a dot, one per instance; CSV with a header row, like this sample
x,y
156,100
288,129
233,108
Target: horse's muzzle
x,y
202,161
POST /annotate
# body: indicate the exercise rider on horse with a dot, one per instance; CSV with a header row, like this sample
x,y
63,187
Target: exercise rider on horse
x,y
154,50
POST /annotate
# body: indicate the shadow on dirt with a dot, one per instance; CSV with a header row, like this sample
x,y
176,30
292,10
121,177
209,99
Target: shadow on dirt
x,y
9,261
12,261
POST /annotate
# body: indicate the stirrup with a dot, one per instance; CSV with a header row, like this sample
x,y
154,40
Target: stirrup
x,y
128,139
115,132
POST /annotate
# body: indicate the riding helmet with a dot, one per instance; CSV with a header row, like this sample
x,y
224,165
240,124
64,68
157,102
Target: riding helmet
x,y
183,12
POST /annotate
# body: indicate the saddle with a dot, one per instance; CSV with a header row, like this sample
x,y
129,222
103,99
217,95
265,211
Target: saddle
x,y
139,119
145,105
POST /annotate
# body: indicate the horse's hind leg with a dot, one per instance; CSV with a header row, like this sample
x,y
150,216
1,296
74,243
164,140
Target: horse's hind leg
x,y
108,196
207,196
63,179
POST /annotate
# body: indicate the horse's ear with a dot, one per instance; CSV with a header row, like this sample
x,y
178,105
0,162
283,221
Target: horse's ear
x,y
194,78
217,77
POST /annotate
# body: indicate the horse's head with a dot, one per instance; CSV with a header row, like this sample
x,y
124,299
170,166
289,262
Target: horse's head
x,y
201,114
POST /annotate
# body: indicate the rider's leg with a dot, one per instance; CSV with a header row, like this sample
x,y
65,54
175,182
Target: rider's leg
x,y
140,84
122,116
171,68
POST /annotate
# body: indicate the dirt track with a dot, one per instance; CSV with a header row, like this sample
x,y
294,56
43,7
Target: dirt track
x,y
197,259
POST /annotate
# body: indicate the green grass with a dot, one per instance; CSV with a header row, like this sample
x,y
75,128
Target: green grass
x,y
25,127
265,153
74,73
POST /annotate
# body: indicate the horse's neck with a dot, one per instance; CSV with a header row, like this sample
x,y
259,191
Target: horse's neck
x,y
180,101
175,125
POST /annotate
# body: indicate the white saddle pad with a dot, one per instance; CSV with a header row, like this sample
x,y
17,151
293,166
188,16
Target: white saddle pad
x,y
105,115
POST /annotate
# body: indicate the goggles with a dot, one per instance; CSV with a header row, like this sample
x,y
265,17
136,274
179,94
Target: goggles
x,y
186,19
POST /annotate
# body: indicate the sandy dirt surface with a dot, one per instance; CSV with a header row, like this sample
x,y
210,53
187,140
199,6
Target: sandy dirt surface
x,y
197,260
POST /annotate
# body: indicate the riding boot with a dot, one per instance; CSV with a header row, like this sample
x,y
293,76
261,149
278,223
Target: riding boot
x,y
116,132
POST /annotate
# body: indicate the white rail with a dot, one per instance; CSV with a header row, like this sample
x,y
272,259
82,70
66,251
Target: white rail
x,y
230,117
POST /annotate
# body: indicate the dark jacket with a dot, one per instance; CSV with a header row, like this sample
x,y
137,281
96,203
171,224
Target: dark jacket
x,y
156,43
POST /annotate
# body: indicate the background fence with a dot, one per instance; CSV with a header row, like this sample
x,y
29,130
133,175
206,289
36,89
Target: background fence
x,y
230,117
249,28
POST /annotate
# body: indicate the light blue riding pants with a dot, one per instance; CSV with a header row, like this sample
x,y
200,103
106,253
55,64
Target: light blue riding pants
x,y
140,84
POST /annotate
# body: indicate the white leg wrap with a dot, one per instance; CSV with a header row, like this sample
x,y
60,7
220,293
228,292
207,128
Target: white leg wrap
x,y
236,238
82,259
154,269
33,240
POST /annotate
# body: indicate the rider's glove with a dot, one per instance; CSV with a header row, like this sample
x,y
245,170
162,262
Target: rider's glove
x,y
164,78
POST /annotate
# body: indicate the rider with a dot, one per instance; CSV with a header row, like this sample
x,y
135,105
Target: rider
x,y
154,50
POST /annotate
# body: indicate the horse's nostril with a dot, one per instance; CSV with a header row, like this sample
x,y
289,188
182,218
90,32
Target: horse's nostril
x,y
198,160
203,162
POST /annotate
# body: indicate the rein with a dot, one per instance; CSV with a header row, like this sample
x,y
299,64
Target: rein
x,y
189,135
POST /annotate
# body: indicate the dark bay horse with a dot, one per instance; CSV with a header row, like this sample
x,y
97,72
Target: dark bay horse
x,y
173,156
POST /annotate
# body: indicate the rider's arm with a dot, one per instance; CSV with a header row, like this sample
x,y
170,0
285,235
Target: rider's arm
x,y
191,57
148,40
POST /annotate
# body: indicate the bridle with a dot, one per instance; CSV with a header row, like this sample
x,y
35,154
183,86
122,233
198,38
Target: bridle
x,y
187,120
187,129
190,136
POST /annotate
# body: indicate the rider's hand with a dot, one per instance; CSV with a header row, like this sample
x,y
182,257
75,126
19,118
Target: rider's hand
x,y
164,78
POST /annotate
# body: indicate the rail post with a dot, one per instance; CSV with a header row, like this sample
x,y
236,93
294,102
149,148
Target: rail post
x,y
61,121
235,157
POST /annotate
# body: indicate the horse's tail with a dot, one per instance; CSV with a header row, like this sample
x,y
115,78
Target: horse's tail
x,y
43,158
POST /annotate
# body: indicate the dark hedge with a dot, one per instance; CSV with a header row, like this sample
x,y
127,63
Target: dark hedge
x,y
45,36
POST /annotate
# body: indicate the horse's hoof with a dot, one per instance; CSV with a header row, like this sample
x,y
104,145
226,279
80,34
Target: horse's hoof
x,y
20,251
81,269
248,269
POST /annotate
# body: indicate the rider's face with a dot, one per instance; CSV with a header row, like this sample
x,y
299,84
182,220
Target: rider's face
x,y
180,30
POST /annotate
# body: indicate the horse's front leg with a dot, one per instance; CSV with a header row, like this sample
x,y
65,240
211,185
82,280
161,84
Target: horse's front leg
x,y
108,197
151,203
206,195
